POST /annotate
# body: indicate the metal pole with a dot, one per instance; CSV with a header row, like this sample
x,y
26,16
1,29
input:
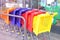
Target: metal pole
x,y
25,31
1,5
24,4
31,3
38,4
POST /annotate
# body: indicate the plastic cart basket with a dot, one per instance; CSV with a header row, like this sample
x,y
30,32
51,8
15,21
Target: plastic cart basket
x,y
6,18
42,23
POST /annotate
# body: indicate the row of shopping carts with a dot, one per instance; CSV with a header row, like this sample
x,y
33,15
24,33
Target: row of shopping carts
x,y
26,23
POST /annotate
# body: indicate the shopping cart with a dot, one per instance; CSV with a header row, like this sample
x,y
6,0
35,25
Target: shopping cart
x,y
42,23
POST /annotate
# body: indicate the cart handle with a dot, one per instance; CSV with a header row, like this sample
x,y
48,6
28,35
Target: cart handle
x,y
25,31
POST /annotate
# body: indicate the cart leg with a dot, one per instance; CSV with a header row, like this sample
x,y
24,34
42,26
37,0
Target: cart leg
x,y
37,38
32,36
49,36
21,34
43,35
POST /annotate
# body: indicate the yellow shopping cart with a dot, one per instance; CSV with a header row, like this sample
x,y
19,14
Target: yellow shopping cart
x,y
42,23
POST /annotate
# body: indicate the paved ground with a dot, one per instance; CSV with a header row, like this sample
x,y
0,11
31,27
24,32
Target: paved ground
x,y
54,35
4,36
